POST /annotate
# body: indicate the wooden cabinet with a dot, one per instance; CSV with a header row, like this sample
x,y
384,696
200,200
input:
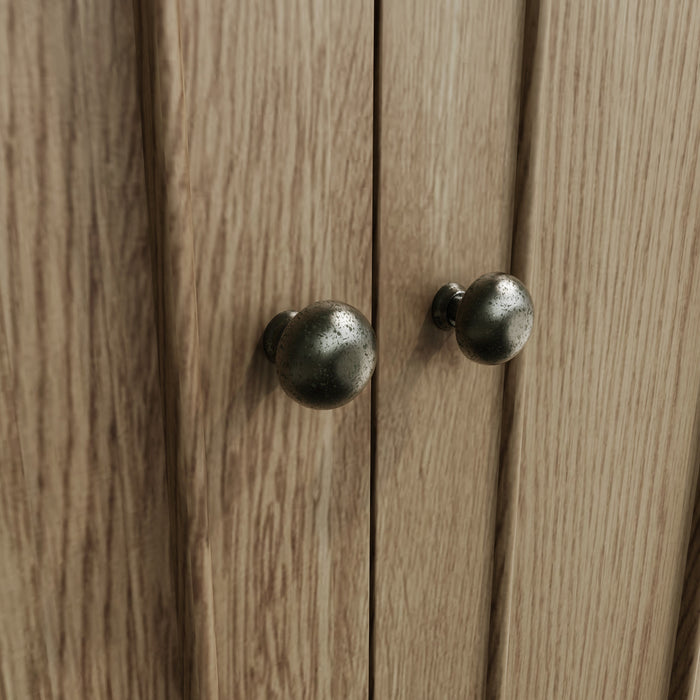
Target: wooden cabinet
x,y
174,174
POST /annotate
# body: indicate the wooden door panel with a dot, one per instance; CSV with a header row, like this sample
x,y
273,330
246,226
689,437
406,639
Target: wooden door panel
x,y
86,601
447,144
601,460
279,103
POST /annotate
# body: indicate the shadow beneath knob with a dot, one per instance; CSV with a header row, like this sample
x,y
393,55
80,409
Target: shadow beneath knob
x,y
260,379
429,341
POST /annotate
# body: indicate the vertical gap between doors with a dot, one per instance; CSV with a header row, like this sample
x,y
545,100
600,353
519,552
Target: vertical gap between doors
x,y
508,483
376,153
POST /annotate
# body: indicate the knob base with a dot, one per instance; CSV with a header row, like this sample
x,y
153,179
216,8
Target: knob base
x,y
273,333
445,305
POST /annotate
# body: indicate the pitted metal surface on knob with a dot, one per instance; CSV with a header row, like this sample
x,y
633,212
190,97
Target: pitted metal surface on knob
x,y
325,354
493,318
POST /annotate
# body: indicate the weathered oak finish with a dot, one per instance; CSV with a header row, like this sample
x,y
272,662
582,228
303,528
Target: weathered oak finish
x,y
172,525
601,464
87,606
279,103
449,98
167,175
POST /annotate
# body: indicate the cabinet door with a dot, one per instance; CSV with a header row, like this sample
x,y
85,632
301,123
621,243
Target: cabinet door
x,y
601,456
173,175
278,108
447,148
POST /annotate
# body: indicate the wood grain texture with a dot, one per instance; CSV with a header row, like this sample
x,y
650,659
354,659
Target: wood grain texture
x,y
600,467
87,602
23,653
166,154
279,98
449,103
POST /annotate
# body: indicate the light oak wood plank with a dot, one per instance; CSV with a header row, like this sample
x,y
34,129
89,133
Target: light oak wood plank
x,y
85,459
279,98
449,105
600,463
167,169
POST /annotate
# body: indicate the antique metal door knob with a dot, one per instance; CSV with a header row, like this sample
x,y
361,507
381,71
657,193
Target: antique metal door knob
x,y
492,318
324,354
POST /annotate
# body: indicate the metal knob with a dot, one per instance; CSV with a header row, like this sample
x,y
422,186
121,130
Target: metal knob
x,y
324,354
492,318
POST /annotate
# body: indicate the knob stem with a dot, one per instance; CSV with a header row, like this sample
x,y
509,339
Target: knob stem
x,y
445,305
273,333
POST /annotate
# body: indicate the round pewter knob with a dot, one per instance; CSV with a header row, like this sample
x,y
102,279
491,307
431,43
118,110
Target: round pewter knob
x,y
492,318
325,354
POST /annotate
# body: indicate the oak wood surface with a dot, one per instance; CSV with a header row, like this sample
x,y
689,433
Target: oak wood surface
x,y
279,103
447,143
87,604
172,524
167,184
600,454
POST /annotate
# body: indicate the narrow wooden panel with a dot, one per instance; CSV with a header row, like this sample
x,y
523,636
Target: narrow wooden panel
x,y
449,103
164,115
279,97
602,480
86,601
